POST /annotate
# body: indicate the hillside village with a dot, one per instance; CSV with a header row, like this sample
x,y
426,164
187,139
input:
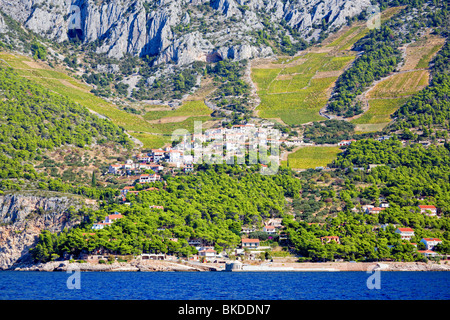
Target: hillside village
x,y
148,168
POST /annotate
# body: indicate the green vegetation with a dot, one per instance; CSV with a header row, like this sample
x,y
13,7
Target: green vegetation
x,y
330,132
312,157
34,120
400,85
380,111
296,93
211,205
428,110
232,92
187,109
381,55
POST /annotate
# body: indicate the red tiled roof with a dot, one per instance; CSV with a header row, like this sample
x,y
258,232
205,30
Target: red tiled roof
x,y
115,216
432,239
250,240
405,229
426,207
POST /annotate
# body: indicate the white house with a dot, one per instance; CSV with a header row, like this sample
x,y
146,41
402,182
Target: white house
x,y
405,233
248,229
115,169
108,221
374,210
250,243
98,226
346,142
428,210
207,253
143,157
157,155
430,243
146,178
175,156
269,229
428,253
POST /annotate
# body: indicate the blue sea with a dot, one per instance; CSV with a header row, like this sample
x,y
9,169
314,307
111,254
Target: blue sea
x,y
223,286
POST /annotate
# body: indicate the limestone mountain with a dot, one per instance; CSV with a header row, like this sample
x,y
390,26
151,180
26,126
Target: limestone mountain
x,y
182,31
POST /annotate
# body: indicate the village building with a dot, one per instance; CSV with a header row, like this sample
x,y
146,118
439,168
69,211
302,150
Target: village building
x,y
108,221
328,239
157,155
430,243
248,230
208,253
405,233
346,142
428,253
269,229
428,210
148,178
374,210
250,243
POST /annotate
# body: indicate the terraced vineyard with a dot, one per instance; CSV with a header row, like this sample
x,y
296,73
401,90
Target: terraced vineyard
x,y
153,129
294,89
295,92
389,94
312,157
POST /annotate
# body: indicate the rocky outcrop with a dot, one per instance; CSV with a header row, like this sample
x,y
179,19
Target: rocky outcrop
x,y
136,265
179,31
23,217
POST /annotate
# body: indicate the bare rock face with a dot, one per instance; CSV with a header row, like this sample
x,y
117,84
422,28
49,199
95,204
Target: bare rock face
x,y
177,31
23,217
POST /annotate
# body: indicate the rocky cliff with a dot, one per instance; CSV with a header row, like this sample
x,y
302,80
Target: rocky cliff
x,y
23,217
180,31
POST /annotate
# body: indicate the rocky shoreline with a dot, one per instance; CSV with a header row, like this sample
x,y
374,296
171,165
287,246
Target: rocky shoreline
x,y
161,266
65,266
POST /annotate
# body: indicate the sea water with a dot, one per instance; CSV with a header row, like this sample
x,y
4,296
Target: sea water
x,y
16,285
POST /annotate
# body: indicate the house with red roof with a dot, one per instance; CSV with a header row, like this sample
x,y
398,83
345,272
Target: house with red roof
x,y
405,233
269,229
428,253
108,221
430,243
250,243
147,178
112,217
374,210
346,142
428,210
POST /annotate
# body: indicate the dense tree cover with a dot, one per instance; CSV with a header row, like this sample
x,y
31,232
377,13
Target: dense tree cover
x,y
331,132
428,110
403,173
173,86
378,60
233,92
211,205
33,120
362,239
380,54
